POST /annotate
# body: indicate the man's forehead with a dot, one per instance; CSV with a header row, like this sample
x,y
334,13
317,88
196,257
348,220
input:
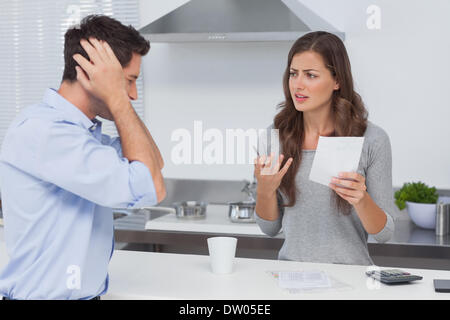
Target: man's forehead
x,y
133,67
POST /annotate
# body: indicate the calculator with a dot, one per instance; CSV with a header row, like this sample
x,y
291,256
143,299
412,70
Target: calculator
x,y
392,276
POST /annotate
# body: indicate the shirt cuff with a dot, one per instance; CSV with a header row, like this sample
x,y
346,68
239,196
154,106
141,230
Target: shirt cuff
x,y
386,233
141,186
269,227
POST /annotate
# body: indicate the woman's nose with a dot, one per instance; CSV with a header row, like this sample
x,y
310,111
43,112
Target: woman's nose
x,y
299,82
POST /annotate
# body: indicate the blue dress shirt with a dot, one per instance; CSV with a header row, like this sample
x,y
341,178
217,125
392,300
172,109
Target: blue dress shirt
x,y
60,177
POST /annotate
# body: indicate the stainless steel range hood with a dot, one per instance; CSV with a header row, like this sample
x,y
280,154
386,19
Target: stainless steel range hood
x,y
236,20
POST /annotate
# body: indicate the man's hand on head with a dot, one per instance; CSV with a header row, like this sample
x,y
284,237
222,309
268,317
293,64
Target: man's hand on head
x,y
103,75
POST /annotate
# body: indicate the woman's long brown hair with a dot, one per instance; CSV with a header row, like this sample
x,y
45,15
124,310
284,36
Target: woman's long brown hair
x,y
350,115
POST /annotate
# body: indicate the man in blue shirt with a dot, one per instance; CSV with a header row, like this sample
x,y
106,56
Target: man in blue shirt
x,y
61,176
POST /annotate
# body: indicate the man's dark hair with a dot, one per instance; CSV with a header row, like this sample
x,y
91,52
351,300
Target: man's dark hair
x,y
123,40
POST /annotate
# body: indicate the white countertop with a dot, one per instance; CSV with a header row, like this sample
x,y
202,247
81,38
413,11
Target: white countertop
x,y
145,275
216,221
148,275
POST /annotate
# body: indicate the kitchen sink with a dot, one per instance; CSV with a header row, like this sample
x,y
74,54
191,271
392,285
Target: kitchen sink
x,y
135,219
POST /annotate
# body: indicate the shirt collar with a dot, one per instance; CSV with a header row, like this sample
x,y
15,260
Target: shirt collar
x,y
96,129
55,100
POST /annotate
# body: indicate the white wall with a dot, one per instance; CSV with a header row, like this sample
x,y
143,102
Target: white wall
x,y
401,70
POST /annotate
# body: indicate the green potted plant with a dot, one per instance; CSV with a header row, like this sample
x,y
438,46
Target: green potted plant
x,y
420,202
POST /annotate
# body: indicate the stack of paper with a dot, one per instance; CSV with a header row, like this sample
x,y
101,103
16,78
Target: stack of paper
x,y
303,279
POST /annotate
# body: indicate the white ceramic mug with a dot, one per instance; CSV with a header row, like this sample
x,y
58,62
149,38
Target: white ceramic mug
x,y
221,253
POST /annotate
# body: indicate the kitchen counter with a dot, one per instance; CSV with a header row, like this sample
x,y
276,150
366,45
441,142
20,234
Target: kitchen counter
x,y
149,275
410,245
216,222
142,275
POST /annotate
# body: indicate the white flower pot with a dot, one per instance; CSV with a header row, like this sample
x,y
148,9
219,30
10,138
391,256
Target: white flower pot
x,y
422,214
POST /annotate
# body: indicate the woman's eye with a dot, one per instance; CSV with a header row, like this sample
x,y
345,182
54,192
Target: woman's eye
x,y
311,76
292,74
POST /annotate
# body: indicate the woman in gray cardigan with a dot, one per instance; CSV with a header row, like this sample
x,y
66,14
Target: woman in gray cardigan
x,y
323,224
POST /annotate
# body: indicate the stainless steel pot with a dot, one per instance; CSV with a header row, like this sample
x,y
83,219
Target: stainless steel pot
x,y
190,209
242,212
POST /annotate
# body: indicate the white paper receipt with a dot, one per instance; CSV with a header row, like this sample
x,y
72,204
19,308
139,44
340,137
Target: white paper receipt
x,y
303,280
334,155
